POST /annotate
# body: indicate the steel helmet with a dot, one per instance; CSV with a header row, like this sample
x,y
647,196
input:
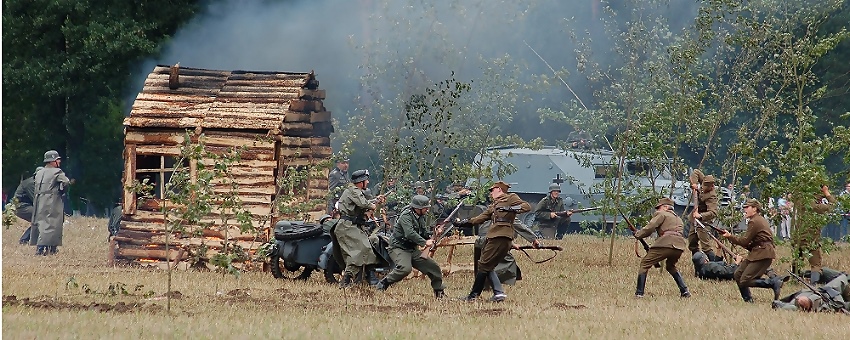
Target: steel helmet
x,y
554,187
359,176
51,156
420,202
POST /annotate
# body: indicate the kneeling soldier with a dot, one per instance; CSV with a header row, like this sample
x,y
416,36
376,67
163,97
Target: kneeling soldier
x,y
409,233
669,245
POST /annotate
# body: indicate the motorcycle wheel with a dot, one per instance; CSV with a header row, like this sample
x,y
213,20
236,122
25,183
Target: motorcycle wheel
x,y
278,267
332,270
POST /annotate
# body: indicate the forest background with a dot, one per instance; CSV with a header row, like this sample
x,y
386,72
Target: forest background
x,y
756,92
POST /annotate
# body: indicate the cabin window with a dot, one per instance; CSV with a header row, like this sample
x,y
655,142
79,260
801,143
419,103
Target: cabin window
x,y
157,171
638,168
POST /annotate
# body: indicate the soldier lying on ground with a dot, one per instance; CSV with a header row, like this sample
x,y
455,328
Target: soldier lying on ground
x,y
805,300
722,271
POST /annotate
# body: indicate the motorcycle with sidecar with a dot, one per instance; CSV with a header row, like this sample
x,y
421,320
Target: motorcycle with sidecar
x,y
301,248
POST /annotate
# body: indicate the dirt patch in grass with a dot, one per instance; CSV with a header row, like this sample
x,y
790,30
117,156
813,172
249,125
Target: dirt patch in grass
x,y
55,304
564,306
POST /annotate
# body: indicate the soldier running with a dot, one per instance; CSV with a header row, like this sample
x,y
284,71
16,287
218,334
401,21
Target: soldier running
x,y
409,233
758,240
669,246
501,213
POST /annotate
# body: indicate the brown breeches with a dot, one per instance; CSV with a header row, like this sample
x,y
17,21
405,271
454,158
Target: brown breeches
x,y
494,251
656,255
748,271
816,261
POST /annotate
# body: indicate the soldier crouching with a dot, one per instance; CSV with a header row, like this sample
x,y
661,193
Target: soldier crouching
x,y
409,233
669,246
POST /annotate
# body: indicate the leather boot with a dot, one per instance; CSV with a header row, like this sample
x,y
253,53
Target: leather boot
x,y
477,286
41,250
383,284
439,293
745,293
641,285
371,277
346,281
680,282
815,278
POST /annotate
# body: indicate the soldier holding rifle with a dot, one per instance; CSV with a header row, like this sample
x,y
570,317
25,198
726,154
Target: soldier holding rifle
x,y
546,213
351,243
758,240
669,246
501,213
409,233
705,210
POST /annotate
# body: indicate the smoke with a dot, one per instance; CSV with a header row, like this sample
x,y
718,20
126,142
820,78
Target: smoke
x,y
410,41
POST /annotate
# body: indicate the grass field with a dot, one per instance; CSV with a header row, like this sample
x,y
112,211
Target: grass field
x,y
575,296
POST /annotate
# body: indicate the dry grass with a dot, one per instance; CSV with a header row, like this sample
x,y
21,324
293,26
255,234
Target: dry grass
x,y
577,295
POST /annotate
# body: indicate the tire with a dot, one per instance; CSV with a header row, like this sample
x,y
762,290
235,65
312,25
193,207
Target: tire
x,y
278,267
299,232
332,270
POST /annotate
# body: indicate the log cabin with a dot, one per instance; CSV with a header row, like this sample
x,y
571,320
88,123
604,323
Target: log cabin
x,y
278,120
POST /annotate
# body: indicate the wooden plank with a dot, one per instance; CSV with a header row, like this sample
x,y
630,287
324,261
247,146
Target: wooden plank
x,y
288,141
178,123
295,152
141,253
168,150
249,163
320,141
240,123
319,117
238,142
185,98
303,105
142,137
129,197
322,151
289,127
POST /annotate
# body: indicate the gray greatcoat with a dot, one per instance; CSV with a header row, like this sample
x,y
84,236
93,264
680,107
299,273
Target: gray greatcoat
x,y
49,209
351,243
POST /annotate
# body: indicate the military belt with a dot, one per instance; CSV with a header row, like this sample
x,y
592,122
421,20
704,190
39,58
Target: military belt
x,y
498,219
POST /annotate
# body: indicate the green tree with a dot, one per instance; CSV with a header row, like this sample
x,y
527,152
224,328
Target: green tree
x,y
65,67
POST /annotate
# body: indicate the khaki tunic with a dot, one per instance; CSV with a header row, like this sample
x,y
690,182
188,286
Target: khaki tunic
x,y
501,231
707,205
49,209
758,240
668,246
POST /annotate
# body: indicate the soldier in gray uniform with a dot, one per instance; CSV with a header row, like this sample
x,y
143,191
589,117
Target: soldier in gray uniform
x,y
409,233
49,209
805,300
545,214
350,241
337,182
25,193
722,271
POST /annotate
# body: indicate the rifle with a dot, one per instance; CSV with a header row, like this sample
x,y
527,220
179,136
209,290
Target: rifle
x,y
634,230
445,232
575,211
720,244
554,249
824,297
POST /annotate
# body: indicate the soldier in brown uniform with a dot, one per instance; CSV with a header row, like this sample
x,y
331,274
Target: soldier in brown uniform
x,y
823,203
669,245
758,240
500,236
706,211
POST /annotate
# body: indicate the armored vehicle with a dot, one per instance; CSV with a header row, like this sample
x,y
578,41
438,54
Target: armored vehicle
x,y
577,171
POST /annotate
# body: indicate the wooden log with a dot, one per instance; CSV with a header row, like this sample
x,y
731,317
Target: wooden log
x,y
168,150
295,152
162,138
239,123
301,105
294,142
294,117
252,143
320,117
311,94
321,151
159,254
320,141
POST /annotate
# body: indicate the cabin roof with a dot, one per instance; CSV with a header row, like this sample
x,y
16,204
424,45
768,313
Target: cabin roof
x,y
183,97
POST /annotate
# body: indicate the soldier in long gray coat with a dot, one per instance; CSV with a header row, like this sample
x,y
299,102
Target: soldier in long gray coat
x,y
351,243
49,209
25,193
